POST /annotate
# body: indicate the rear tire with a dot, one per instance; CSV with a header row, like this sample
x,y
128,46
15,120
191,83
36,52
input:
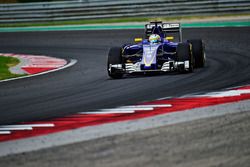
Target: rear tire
x,y
198,50
114,57
184,54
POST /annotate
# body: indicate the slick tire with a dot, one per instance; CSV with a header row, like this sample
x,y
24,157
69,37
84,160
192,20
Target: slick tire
x,y
184,54
198,50
114,57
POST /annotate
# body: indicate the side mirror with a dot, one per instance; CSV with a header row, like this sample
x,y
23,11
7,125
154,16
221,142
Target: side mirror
x,y
138,40
169,38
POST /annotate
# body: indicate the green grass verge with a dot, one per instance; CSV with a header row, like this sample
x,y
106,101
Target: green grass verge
x,y
119,20
5,64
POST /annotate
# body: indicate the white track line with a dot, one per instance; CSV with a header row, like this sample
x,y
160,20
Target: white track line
x,y
150,106
71,63
27,126
226,93
5,132
109,112
127,109
6,129
15,128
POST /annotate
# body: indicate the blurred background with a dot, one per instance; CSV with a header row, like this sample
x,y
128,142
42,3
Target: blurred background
x,y
27,12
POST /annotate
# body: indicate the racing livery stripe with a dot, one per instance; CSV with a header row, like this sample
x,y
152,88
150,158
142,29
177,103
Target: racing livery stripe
x,y
123,113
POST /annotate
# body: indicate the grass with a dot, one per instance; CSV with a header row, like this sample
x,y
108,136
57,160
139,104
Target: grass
x,y
118,20
5,64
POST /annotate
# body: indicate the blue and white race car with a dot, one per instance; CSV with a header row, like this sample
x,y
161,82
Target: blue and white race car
x,y
158,52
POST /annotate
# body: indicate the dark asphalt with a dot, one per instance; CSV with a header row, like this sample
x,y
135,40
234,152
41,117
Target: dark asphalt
x,y
86,86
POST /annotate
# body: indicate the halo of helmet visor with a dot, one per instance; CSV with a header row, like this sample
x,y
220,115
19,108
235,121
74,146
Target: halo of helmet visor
x,y
154,38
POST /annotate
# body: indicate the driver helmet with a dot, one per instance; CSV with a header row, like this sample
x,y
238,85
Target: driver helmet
x,y
154,38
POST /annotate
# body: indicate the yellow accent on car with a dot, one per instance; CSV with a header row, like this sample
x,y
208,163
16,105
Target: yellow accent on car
x,y
169,38
138,39
148,64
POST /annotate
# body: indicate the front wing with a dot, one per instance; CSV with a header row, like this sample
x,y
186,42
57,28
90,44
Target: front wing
x,y
168,66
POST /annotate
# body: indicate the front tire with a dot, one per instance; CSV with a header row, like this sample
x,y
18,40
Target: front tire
x,y
198,50
114,57
184,54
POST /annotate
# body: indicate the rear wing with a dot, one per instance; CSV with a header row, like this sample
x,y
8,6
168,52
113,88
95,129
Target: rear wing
x,y
163,29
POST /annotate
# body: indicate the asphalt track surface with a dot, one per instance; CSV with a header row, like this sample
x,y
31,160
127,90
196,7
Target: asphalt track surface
x,y
86,86
223,141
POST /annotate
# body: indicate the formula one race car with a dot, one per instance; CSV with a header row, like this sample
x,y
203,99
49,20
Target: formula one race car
x,y
158,52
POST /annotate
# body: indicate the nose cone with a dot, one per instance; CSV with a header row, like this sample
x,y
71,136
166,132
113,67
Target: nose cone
x,y
149,54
